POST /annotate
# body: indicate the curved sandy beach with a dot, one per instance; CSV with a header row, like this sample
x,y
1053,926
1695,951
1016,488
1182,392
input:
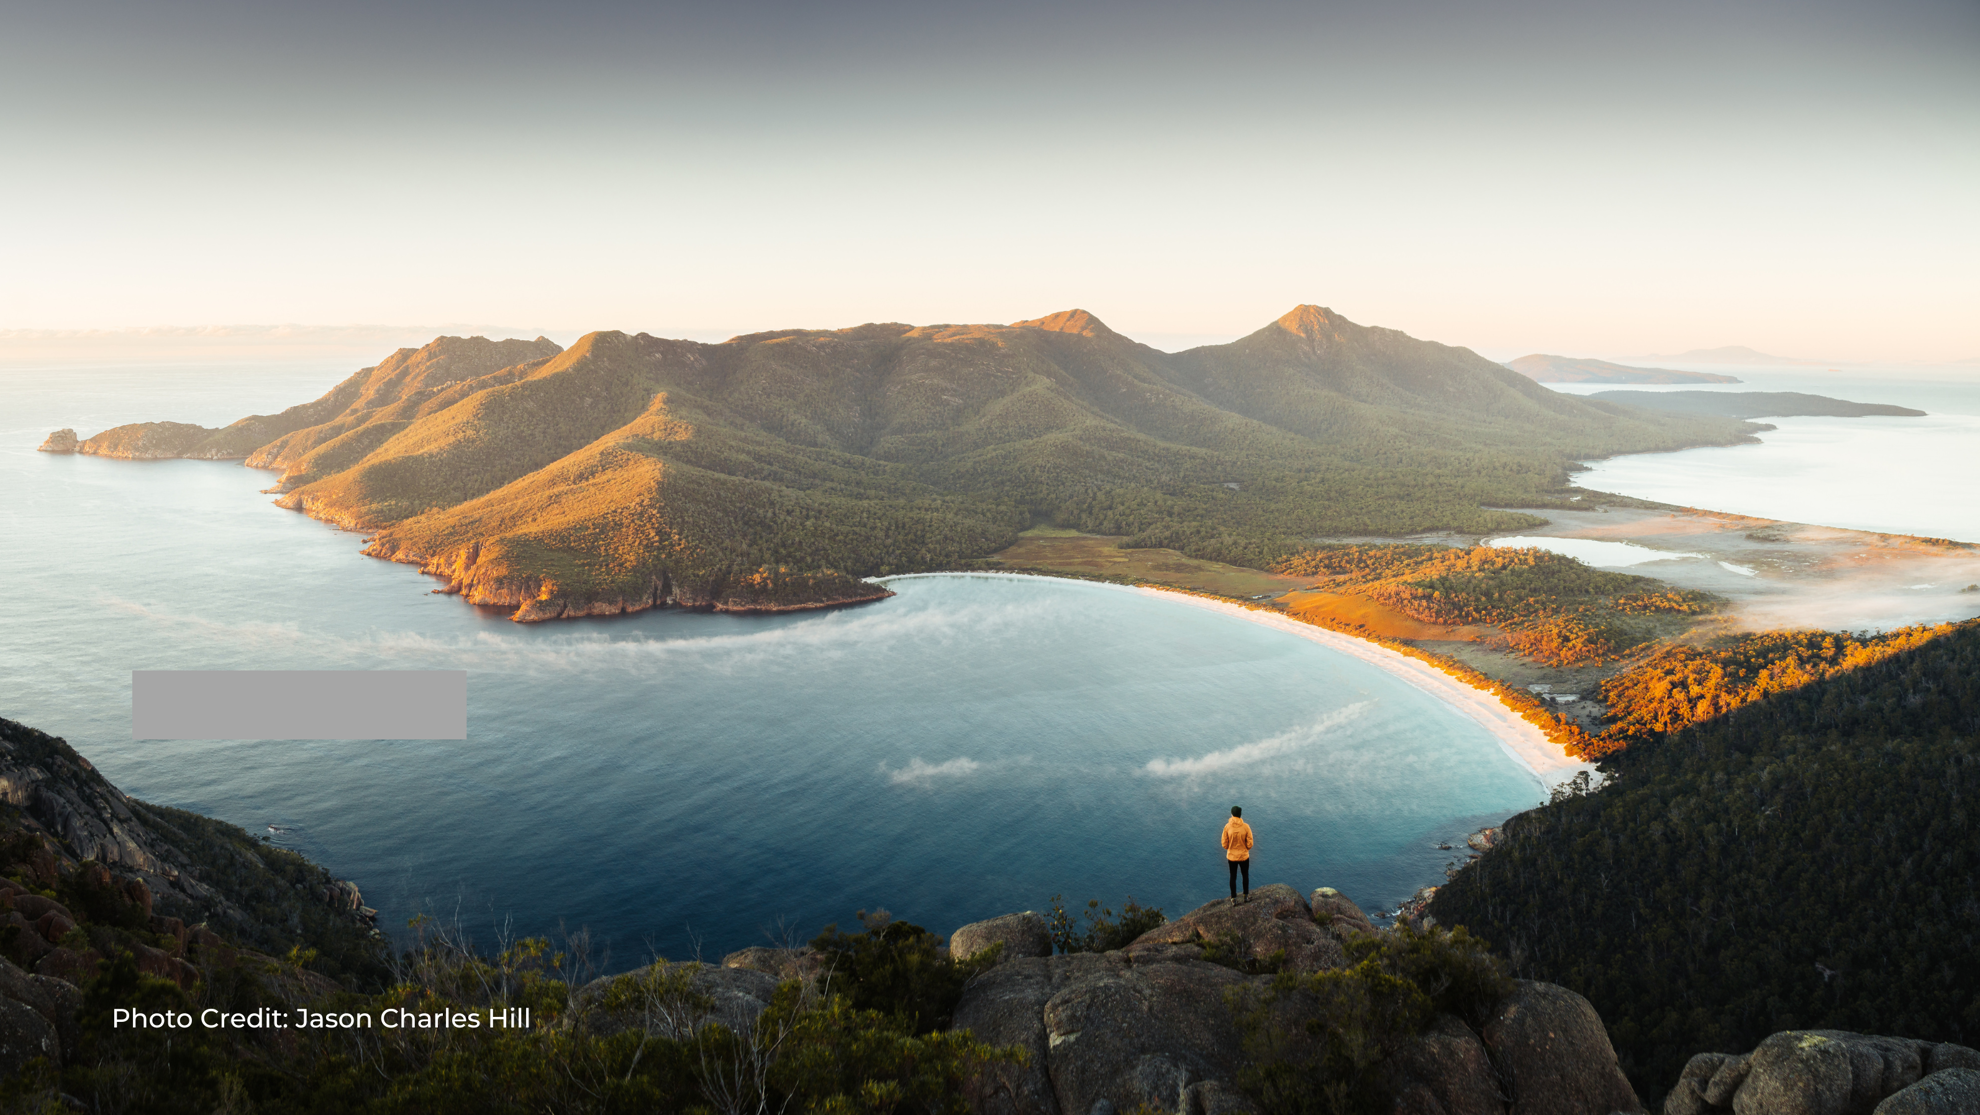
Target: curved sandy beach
x,y
1524,742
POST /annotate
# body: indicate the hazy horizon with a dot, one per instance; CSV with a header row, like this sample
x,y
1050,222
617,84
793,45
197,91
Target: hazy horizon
x,y
1584,179
339,345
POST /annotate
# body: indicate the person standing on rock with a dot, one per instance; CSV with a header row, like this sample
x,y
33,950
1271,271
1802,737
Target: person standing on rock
x,y
1237,851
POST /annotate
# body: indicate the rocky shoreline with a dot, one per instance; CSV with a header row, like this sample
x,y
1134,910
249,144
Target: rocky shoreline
x,y
535,599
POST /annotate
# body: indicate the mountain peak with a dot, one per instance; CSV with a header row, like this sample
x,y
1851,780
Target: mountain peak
x,y
1069,321
1311,322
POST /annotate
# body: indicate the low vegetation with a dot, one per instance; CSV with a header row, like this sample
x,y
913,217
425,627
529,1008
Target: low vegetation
x,y
1356,1018
897,969
1681,685
1550,608
1099,929
649,1040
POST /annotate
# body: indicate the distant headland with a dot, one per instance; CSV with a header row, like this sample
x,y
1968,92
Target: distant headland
x,y
1542,368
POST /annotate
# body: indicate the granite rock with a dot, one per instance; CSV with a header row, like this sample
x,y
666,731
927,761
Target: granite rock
x,y
1022,935
1554,1055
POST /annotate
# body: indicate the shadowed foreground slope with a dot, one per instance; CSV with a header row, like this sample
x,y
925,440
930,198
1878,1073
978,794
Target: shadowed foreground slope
x,y
777,469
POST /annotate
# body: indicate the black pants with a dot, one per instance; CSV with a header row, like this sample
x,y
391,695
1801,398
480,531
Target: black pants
x,y
1238,865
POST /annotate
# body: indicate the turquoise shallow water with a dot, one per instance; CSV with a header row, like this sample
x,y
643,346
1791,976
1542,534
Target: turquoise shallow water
x,y
679,781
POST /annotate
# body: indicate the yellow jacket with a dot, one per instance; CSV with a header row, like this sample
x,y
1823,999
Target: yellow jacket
x,y
1237,839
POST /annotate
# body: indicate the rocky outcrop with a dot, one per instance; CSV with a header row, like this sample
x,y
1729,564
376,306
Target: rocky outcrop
x,y
1830,1072
488,576
39,1016
1333,909
1946,1092
61,441
1447,1071
1101,1028
1273,921
25,1036
1021,936
1154,1026
1415,909
1554,1055
150,856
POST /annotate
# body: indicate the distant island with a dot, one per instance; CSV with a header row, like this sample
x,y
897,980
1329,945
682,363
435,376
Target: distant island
x,y
1542,368
779,469
1756,404
1732,354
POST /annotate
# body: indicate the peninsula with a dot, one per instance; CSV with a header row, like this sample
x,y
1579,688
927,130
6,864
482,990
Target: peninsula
x,y
1542,368
779,469
1756,404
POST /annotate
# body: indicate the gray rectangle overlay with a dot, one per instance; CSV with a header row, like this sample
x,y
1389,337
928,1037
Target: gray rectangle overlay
x,y
298,704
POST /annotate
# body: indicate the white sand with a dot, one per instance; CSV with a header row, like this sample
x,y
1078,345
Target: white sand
x,y
1520,739
1523,741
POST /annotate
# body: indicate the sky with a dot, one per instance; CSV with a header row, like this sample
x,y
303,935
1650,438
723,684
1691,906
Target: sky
x,y
1587,178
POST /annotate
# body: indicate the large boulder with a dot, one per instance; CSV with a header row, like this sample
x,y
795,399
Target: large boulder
x,y
1006,1006
1022,935
61,441
1724,1084
1336,911
1826,1072
1946,1092
25,1035
1687,1096
58,1001
1819,1072
70,965
34,906
1105,1031
1446,1072
28,946
1275,918
1554,1056
1141,1034
1947,1055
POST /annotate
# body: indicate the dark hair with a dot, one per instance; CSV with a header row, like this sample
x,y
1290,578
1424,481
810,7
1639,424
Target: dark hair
x,y
1236,812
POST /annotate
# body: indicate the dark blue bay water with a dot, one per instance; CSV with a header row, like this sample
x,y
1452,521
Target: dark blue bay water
x,y
678,781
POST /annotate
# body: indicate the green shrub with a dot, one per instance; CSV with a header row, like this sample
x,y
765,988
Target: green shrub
x,y
1232,949
1318,1043
1101,933
898,969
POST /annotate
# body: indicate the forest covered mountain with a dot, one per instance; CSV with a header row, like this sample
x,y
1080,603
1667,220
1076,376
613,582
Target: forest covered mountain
x,y
775,469
1807,861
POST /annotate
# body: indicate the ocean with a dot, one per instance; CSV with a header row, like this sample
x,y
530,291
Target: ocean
x,y
1894,475
687,783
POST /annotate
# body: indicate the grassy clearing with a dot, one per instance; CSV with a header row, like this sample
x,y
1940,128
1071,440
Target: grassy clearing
x,y
1054,550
